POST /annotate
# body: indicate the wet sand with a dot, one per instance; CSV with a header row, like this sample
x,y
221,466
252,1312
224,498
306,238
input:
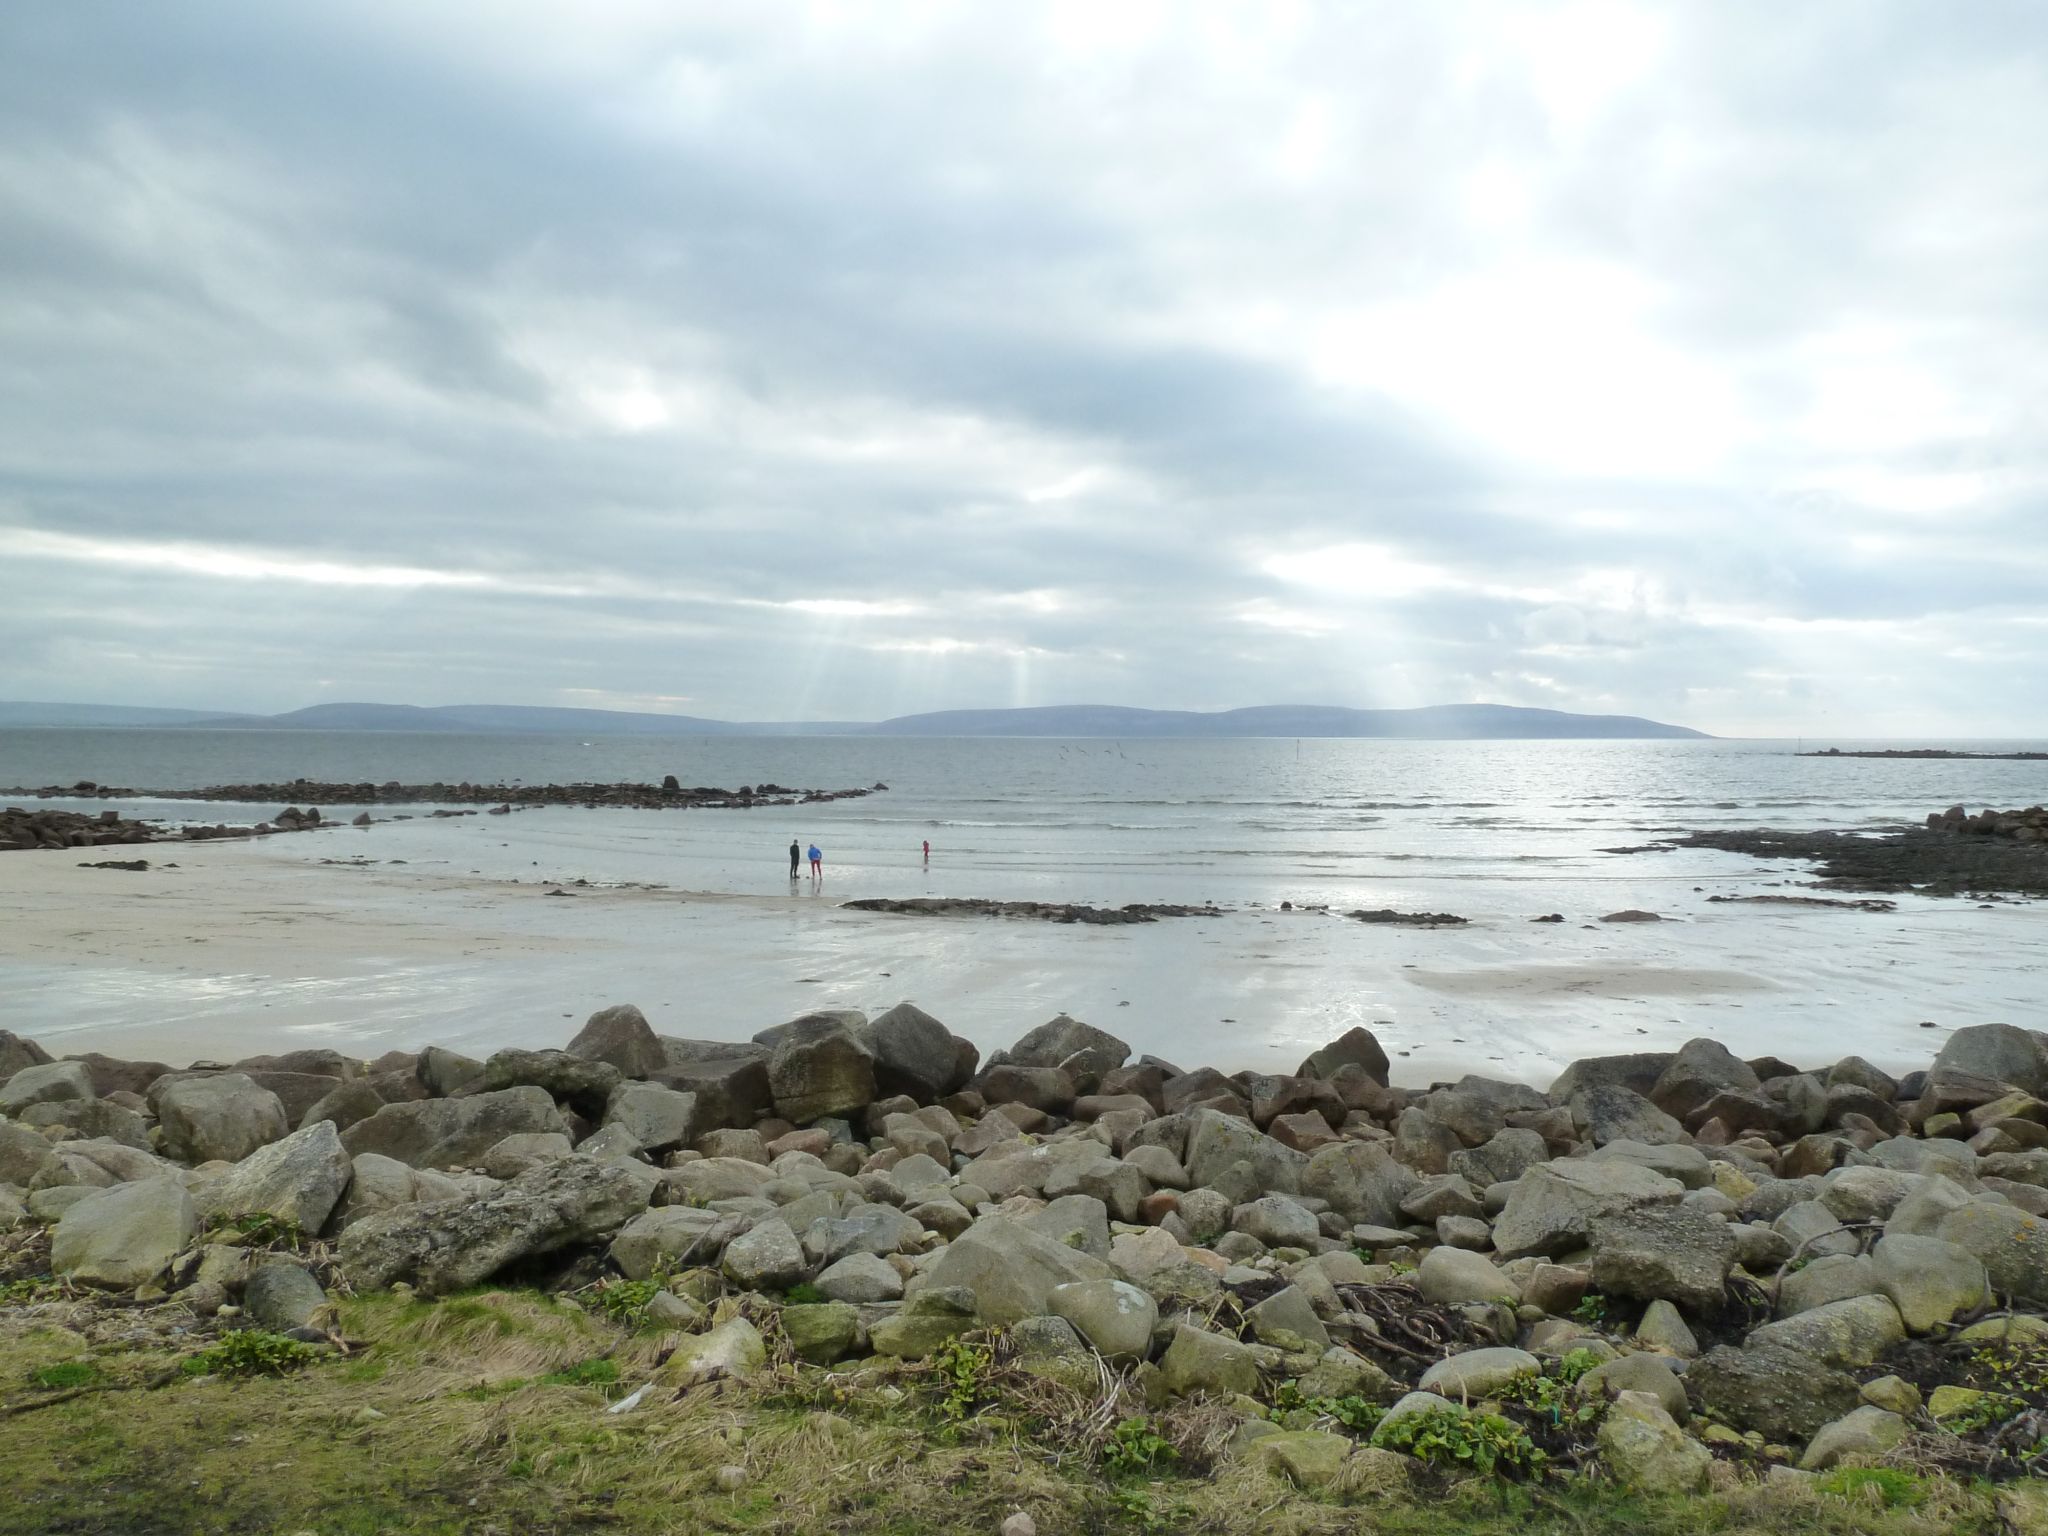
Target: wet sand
x,y
251,947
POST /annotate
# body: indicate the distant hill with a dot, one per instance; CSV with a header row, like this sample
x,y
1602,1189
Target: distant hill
x,y
23,715
1440,722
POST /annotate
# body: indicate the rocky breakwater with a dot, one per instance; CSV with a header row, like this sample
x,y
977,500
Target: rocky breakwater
x,y
2028,826
22,829
670,794
1675,1269
1037,911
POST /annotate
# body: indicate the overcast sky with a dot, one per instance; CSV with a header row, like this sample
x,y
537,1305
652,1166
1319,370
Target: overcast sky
x,y
780,362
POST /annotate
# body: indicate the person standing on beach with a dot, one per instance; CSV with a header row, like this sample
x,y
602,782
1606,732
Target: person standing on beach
x,y
795,853
817,863
927,850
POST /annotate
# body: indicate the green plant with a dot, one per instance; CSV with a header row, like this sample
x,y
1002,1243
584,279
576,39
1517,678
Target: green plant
x,y
1443,1437
586,1373
23,1292
72,1373
261,1230
1551,1395
251,1352
804,1294
1135,1504
1888,1485
1135,1446
1591,1310
1987,1412
963,1368
1575,1364
624,1301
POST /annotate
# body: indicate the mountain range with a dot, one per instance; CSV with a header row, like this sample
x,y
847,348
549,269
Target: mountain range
x,y
1438,722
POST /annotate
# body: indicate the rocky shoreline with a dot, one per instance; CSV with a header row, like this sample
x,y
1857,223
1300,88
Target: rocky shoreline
x,y
1672,1271
669,795
1954,854
1038,911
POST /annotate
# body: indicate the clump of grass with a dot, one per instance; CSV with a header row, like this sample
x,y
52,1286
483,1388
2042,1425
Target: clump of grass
x,y
69,1373
602,1372
251,1352
1889,1486
259,1230
1135,1446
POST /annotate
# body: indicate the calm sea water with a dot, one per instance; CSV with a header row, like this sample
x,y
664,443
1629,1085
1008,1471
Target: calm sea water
x,y
1085,820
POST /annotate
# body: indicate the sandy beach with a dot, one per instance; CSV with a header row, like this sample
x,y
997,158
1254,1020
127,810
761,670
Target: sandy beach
x,y
406,934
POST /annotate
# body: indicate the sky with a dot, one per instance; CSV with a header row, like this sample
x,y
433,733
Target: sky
x,y
846,360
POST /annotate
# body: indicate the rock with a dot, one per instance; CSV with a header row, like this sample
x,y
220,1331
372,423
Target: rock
x,y
1552,1208
1556,1289
621,1038
1675,1160
820,1069
1287,1321
1865,1431
1052,1043
1930,1281
1867,1194
668,1310
821,1333
23,1154
94,1119
1047,1090
2001,1052
730,1081
1115,1317
55,1082
658,1119
1361,1182
1443,1195
1355,1047
1829,1278
1341,1373
1232,1156
1637,1072
1701,1069
123,1237
225,1117
445,1133
1018,1524
1079,1222
282,1296
2011,1244
733,1350
1453,1277
671,1237
873,1229
16,1053
1651,1374
529,1149
586,1084
1504,1158
1663,1253
1842,1333
1277,1222
861,1277
297,1181
1200,1361
348,1101
448,1245
1612,1113
1311,1459
767,1257
1009,1269
1813,1230
1478,1373
1645,1451
914,1053
442,1071
1780,1393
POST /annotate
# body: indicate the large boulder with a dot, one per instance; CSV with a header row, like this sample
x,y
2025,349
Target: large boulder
x,y
297,1181
730,1080
282,1296
23,1153
1360,1180
1609,1112
1112,1315
1552,1208
1701,1069
734,1350
1778,1392
1053,1042
672,1237
819,1068
125,1236
54,1082
17,1052
1238,1159
452,1244
1200,1361
1453,1277
585,1084
1868,1431
914,1054
1478,1373
1638,1072
767,1257
1842,1333
1645,1451
2004,1053
658,1119
1010,1269
449,1133
1355,1047
225,1118
621,1037
2010,1243
1663,1253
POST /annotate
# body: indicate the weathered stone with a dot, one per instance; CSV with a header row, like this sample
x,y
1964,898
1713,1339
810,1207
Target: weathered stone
x,y
1701,1069
1200,1361
730,1080
224,1117
1478,1373
1831,1277
671,1237
767,1257
733,1350
514,1155
1778,1392
586,1084
1663,1329
1287,1321
1079,1222
444,1133
1277,1222
1865,1431
1341,1373
658,1119
297,1181
282,1296
1553,1207
1359,1181
23,1154
819,1069
861,1277
1640,1372
1501,1160
2002,1052
1663,1253
1930,1281
1054,1042
1842,1333
823,1332
98,1119
1812,1230
620,1037
55,1082
914,1053
1644,1450
449,1245
2011,1244
1232,1156
1115,1317
1453,1277
1355,1047
123,1237
1613,1113
1009,1268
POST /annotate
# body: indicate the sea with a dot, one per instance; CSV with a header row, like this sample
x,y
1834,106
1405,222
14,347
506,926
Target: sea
x,y
1498,832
